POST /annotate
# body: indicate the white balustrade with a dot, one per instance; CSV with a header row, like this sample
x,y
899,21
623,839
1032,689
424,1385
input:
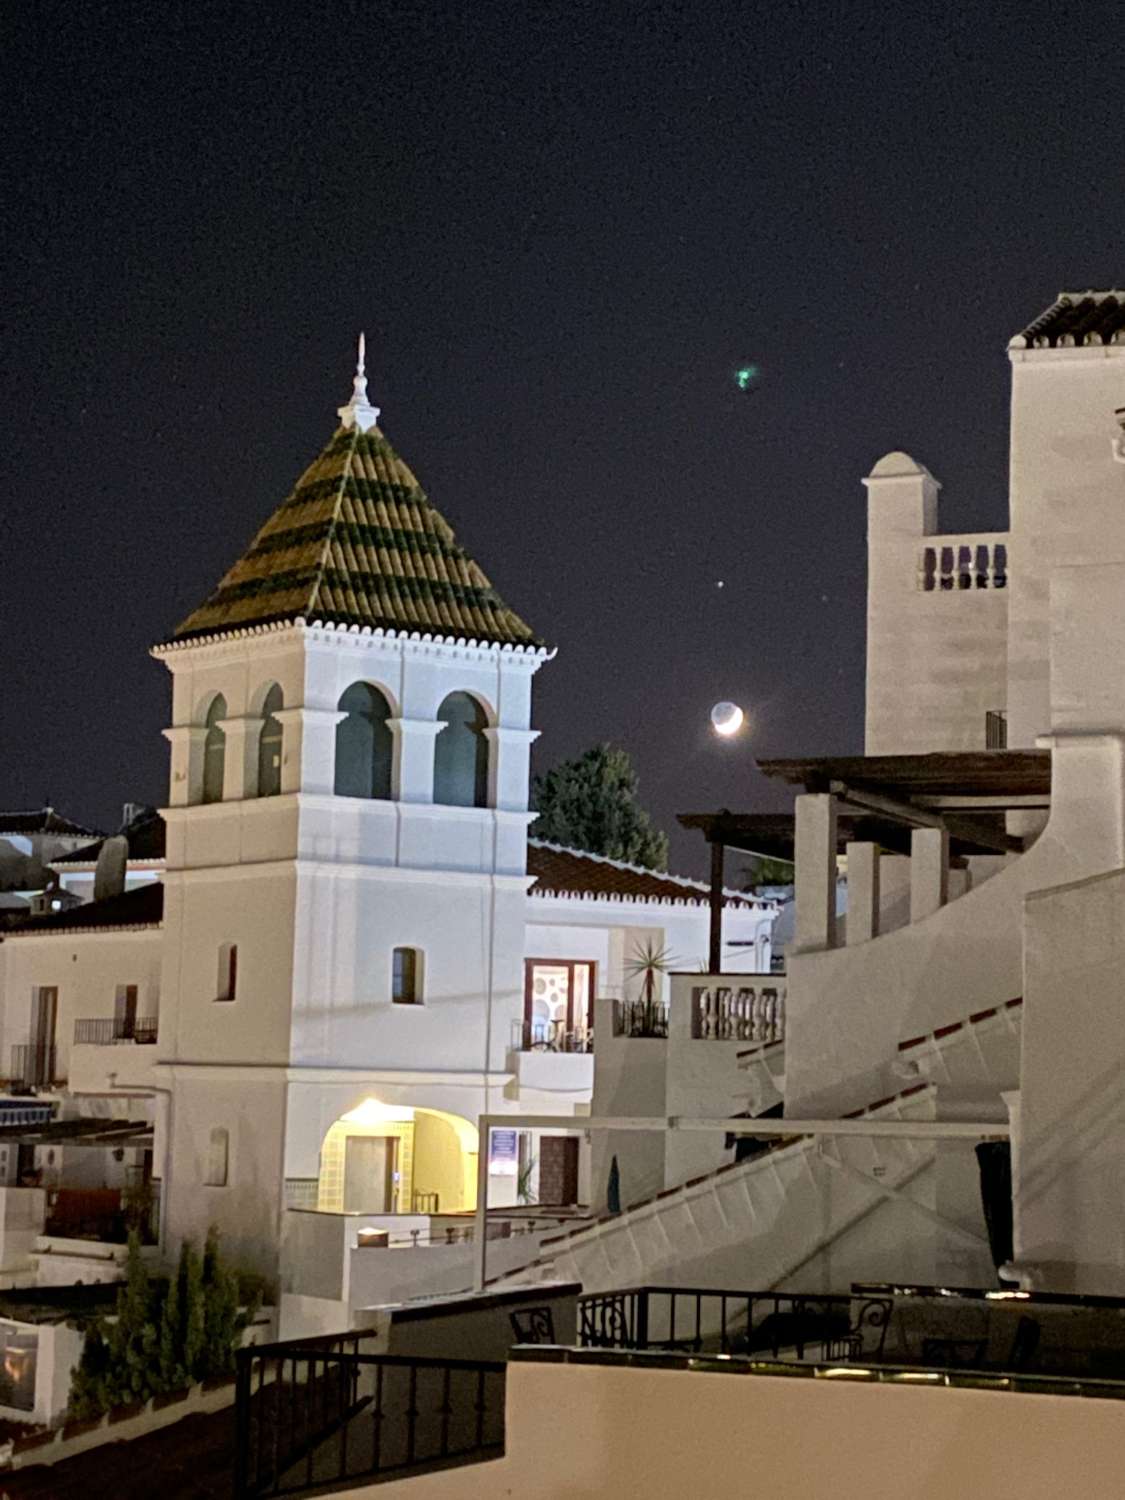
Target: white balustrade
x,y
958,563
750,1013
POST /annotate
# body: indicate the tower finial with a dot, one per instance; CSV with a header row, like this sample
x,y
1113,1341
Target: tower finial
x,y
359,412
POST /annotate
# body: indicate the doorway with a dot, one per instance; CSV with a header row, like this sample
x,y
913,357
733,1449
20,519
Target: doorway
x,y
370,1167
558,1169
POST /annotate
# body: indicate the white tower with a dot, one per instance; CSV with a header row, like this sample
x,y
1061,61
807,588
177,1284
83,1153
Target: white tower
x,y
346,857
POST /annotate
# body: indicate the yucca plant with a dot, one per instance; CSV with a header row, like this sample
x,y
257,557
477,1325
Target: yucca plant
x,y
647,962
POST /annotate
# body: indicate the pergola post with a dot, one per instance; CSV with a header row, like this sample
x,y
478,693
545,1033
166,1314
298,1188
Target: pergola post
x,y
815,871
863,892
715,950
929,871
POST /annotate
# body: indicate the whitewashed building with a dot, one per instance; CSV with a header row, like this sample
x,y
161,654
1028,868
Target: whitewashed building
x,y
973,993
338,947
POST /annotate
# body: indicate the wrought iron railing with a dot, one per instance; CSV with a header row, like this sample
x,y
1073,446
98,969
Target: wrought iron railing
x,y
33,1066
111,1031
325,1411
749,1013
789,1326
551,1036
640,1018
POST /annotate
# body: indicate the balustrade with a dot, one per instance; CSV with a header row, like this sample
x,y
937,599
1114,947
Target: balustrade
x,y
751,1013
957,563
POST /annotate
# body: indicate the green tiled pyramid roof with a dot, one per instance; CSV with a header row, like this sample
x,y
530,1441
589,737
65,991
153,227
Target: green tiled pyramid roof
x,y
358,543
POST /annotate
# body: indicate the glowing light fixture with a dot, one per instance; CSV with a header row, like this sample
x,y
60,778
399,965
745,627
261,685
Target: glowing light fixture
x,y
373,1112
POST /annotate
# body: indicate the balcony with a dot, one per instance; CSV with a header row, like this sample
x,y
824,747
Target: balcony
x,y
112,1032
552,1055
640,1018
34,1066
551,1036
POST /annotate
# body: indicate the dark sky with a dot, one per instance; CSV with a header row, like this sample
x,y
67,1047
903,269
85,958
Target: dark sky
x,y
563,228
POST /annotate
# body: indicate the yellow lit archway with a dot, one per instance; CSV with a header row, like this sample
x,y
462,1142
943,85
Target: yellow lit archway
x,y
426,1164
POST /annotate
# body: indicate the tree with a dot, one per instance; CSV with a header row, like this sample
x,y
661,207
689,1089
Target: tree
x,y
764,870
163,1335
590,804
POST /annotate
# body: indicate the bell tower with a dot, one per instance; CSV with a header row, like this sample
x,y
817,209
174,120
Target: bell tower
x,y
347,835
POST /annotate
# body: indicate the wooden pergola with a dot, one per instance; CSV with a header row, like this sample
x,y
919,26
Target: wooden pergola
x,y
881,799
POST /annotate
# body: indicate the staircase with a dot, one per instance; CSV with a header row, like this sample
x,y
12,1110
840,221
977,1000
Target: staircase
x,y
757,1222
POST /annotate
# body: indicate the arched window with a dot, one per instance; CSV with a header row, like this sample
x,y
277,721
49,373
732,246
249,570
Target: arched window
x,y
364,745
461,753
214,750
218,1157
269,745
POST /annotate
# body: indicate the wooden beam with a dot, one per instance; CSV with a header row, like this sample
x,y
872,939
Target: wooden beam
x,y
715,949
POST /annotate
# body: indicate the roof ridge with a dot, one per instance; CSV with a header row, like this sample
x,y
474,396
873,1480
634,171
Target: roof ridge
x,y
345,475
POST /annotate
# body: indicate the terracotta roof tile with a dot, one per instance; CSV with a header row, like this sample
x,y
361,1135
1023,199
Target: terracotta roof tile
x,y
1075,319
358,543
573,873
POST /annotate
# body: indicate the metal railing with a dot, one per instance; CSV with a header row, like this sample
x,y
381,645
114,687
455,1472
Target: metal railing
x,y
750,1013
789,1326
33,1066
324,1411
109,1032
640,1018
551,1036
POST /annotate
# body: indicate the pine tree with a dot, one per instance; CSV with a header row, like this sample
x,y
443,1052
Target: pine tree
x,y
222,1323
590,803
162,1337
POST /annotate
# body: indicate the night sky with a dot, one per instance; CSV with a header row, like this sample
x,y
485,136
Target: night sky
x,y
564,229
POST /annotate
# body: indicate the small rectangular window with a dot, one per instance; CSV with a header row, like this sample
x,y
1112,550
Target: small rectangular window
x,y
406,988
228,972
996,729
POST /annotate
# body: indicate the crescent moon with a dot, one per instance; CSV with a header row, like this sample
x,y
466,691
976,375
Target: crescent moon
x,y
730,722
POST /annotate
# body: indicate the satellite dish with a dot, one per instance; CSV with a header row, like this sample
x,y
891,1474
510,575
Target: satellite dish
x,y
727,719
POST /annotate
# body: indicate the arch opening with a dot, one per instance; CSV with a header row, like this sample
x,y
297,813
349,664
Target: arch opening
x,y
214,750
269,744
364,744
461,753
398,1158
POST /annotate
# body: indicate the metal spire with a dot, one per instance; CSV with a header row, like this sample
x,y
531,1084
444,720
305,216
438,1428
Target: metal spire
x,y
359,412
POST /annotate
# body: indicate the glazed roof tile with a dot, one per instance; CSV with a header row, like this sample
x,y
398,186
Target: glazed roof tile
x,y
1075,319
571,872
358,543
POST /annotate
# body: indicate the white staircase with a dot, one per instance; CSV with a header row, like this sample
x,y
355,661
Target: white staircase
x,y
759,1222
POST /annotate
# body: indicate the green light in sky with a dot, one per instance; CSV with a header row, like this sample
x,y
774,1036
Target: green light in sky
x,y
745,377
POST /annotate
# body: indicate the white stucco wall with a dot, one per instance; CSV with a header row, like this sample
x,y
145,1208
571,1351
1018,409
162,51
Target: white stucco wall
x,y
1067,501
86,968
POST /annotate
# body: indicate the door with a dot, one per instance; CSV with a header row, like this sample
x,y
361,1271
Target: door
x,y
558,1169
41,1063
369,1167
125,1013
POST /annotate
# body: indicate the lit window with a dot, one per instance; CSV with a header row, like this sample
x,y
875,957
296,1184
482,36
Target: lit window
x,y
218,1153
406,977
228,972
557,998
